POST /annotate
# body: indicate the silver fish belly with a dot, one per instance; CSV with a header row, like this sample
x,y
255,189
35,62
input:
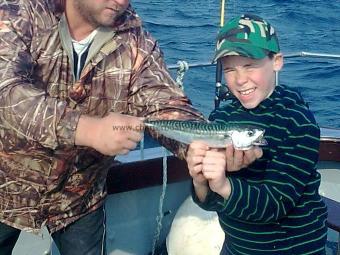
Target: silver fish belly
x,y
215,135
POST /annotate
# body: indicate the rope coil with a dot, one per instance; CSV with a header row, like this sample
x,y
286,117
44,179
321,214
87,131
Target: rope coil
x,y
183,66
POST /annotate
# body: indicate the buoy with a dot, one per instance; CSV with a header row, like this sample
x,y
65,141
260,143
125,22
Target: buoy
x,y
194,231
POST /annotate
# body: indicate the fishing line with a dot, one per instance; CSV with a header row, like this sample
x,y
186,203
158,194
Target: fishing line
x,y
142,147
218,72
159,218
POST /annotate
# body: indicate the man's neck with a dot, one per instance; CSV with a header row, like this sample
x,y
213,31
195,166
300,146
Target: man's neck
x,y
79,27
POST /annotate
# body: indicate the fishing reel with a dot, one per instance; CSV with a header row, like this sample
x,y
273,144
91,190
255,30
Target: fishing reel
x,y
222,92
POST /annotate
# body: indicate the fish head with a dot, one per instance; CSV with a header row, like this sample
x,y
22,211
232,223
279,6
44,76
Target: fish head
x,y
244,139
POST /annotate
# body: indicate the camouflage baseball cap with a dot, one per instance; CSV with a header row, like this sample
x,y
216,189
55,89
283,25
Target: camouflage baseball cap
x,y
247,35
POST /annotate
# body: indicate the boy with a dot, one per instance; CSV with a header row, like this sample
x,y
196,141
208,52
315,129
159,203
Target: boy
x,y
271,206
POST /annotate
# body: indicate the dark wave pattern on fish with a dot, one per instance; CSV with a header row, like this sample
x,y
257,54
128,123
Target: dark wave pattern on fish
x,y
186,30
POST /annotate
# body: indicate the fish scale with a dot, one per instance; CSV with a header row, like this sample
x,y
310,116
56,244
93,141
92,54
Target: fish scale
x,y
216,135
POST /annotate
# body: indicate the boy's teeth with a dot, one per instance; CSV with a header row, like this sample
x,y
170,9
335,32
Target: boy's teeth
x,y
246,92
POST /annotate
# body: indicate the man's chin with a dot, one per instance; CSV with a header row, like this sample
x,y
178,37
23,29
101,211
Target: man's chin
x,y
109,22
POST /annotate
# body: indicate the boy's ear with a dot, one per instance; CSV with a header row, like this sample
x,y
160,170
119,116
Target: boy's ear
x,y
278,62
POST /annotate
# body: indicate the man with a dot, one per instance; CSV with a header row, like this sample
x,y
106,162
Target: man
x,y
73,74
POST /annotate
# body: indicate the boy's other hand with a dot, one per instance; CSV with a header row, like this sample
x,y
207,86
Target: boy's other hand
x,y
238,159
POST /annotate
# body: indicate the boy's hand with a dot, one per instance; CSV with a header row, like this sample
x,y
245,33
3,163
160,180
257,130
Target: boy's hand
x,y
238,159
214,169
195,156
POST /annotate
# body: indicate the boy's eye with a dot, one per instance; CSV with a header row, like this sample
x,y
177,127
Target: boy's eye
x,y
228,70
249,66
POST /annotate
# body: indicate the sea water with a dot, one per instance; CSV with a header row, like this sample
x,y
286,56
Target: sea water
x,y
187,29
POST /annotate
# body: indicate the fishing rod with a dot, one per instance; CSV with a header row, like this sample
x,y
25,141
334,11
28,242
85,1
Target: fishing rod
x,y
218,74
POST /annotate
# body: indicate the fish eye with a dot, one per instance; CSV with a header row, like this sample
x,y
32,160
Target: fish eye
x,y
250,133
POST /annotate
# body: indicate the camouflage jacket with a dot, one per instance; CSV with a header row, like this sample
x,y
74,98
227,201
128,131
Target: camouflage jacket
x,y
44,178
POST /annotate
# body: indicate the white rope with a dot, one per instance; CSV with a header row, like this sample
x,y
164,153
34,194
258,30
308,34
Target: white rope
x,y
159,218
182,68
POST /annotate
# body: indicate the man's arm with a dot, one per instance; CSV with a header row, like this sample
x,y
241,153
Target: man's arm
x,y
154,94
28,116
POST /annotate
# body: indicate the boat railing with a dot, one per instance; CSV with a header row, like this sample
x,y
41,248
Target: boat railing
x,y
302,54
312,55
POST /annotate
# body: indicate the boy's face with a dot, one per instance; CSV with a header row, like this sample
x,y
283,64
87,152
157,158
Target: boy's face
x,y
251,80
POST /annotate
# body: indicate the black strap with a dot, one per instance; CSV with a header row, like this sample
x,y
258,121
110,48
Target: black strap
x,y
82,60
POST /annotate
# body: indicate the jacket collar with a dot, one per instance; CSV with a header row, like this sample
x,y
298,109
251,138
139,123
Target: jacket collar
x,y
128,20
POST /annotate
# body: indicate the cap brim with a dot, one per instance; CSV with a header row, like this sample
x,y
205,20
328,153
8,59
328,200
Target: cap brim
x,y
239,49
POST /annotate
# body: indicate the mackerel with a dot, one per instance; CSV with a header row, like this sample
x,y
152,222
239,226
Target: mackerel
x,y
215,135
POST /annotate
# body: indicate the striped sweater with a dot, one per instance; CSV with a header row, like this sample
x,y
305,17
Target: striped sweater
x,y
274,206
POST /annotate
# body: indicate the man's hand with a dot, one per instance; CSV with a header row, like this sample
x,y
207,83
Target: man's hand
x,y
238,159
111,135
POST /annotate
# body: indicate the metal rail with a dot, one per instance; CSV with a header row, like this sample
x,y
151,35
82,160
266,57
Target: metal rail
x,y
330,134
312,55
290,55
193,65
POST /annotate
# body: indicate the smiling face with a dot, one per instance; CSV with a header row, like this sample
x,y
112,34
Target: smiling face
x,y
251,80
100,12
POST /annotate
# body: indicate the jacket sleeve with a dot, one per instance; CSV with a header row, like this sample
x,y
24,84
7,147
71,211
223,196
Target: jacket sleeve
x,y
286,177
154,94
28,116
